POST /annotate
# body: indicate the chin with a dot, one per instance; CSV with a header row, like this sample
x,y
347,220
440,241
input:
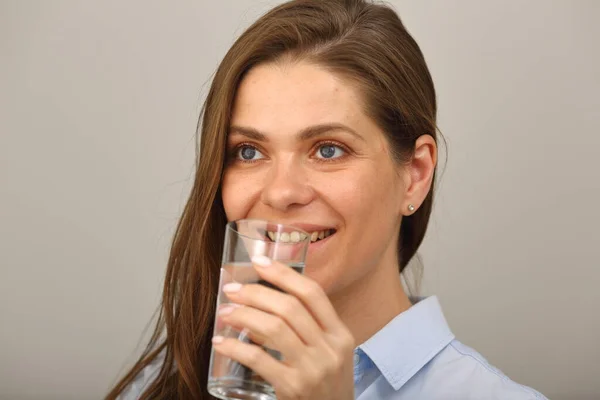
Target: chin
x,y
329,282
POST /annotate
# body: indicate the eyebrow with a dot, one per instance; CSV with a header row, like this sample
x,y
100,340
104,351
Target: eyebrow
x,y
305,134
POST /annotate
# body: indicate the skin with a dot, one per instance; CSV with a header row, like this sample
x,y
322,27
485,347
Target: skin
x,y
351,286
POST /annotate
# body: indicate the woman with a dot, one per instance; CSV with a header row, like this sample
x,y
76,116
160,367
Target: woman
x,y
322,113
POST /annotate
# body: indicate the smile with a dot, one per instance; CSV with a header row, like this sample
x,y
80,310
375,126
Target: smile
x,y
295,236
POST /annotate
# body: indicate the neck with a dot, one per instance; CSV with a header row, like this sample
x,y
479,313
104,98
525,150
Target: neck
x,y
380,297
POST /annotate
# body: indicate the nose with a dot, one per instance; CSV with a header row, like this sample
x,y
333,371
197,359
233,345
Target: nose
x,y
286,185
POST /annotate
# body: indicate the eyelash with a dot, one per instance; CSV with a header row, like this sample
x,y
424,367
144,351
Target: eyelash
x,y
331,143
236,149
233,155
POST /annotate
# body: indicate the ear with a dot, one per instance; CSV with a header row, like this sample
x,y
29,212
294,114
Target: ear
x,y
418,176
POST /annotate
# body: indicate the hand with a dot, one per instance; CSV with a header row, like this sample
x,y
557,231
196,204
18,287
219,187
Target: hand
x,y
301,324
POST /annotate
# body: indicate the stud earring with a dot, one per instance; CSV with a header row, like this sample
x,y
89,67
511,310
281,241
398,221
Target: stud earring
x,y
411,208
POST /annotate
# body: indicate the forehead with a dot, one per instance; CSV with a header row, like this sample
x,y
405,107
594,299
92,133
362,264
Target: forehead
x,y
276,97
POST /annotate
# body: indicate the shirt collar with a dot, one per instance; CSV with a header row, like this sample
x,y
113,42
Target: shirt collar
x,y
409,341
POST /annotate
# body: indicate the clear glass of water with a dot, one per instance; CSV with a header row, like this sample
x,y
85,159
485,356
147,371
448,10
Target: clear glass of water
x,y
245,239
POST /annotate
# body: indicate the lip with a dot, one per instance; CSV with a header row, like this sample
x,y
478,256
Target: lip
x,y
307,228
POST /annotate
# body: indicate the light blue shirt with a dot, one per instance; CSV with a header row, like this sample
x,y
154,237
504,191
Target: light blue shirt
x,y
416,357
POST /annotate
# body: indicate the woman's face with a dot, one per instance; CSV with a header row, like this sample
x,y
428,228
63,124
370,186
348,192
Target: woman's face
x,y
303,152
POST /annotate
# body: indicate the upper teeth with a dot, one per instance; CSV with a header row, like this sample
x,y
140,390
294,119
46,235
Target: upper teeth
x,y
295,236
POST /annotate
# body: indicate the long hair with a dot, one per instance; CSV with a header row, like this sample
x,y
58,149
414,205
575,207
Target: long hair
x,y
363,42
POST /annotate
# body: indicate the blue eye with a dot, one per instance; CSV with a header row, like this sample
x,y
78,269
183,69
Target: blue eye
x,y
249,153
330,151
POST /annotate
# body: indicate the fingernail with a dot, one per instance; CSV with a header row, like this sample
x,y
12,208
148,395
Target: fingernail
x,y
217,339
232,287
261,261
226,310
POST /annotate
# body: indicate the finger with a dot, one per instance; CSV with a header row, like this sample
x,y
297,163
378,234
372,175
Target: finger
x,y
283,305
266,329
305,289
253,357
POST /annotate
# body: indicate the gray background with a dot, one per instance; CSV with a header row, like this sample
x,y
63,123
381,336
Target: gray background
x,y
98,107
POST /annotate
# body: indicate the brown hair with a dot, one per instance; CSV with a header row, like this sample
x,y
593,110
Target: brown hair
x,y
357,39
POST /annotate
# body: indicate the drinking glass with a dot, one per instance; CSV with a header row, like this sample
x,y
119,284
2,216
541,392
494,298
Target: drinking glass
x,y
245,239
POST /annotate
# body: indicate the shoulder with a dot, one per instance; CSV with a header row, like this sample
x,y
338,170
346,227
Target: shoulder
x,y
459,372
141,382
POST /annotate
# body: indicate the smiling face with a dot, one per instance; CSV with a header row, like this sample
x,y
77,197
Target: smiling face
x,y
303,152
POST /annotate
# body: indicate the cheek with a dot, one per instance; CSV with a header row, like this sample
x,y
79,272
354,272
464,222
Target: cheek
x,y
370,205
238,192
366,200
364,194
